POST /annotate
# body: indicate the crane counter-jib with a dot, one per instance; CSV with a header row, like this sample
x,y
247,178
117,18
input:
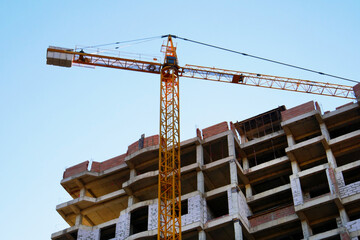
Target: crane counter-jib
x,y
66,57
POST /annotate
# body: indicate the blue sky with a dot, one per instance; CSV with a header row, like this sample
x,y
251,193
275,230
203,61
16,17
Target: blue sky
x,y
53,117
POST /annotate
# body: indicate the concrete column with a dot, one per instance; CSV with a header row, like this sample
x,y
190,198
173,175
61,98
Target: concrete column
x,y
78,220
132,173
243,138
200,155
233,172
231,145
82,192
200,174
307,231
296,190
295,167
238,230
234,209
324,131
246,165
344,217
79,217
331,158
290,140
202,235
200,182
248,190
131,199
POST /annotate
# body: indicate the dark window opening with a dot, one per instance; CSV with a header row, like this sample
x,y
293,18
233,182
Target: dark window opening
x,y
217,206
302,139
352,175
260,125
150,168
297,235
346,128
266,157
216,178
354,216
349,157
188,157
311,163
107,233
72,235
272,202
139,220
184,208
216,151
266,151
324,226
315,185
271,183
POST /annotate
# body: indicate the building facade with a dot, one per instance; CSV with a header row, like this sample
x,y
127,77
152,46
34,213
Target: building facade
x,y
284,174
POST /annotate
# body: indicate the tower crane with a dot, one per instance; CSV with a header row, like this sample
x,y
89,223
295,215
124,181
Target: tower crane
x,y
169,180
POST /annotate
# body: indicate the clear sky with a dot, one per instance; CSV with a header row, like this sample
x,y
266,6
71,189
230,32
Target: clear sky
x,y
53,118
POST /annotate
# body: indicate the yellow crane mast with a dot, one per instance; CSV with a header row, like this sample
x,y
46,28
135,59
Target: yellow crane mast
x,y
169,186
169,180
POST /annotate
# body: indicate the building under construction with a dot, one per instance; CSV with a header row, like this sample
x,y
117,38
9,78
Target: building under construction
x,y
283,174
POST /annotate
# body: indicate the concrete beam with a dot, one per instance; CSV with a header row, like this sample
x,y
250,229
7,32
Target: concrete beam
x,y
262,139
268,193
270,163
274,223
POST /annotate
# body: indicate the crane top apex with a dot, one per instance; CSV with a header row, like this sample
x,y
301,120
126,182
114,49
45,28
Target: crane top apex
x,y
170,52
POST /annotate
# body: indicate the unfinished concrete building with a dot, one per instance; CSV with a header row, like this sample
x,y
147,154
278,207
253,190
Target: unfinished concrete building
x,y
284,174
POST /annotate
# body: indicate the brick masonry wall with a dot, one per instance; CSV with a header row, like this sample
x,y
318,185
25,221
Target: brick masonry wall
x,y
195,206
198,133
81,167
297,111
132,148
148,142
84,234
153,217
215,129
346,190
242,206
356,89
283,212
123,227
95,166
353,225
113,162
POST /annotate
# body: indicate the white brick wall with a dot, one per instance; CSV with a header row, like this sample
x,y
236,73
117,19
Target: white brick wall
x,y
242,206
195,206
346,190
85,234
123,227
353,225
153,216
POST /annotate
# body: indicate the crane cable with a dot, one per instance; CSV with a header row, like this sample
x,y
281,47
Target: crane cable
x,y
140,40
264,59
